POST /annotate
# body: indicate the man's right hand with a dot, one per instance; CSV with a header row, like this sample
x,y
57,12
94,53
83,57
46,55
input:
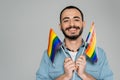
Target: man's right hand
x,y
69,67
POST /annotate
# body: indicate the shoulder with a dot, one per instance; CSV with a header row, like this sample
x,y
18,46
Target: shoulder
x,y
101,54
45,57
44,54
100,51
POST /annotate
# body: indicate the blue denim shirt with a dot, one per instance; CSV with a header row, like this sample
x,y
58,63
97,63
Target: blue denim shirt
x,y
50,71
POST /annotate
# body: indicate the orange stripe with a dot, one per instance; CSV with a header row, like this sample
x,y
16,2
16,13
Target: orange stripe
x,y
89,46
92,44
92,48
52,35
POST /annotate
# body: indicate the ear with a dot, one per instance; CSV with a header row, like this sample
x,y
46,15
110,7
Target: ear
x,y
84,24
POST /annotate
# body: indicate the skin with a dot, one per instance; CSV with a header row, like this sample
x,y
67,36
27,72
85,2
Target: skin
x,y
72,17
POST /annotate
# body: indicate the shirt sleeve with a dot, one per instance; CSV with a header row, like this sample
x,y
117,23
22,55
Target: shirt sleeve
x,y
105,71
42,72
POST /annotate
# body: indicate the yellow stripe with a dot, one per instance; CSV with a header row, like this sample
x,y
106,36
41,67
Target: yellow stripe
x,y
51,38
92,49
93,43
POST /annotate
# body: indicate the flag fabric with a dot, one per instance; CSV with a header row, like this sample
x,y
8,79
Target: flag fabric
x,y
53,45
91,40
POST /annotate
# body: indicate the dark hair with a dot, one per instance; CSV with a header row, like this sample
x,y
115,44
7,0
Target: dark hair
x,y
72,7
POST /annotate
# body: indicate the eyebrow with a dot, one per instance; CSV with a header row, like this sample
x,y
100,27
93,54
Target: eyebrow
x,y
65,18
77,17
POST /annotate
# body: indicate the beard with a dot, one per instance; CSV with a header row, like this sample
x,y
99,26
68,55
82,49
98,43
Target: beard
x,y
73,37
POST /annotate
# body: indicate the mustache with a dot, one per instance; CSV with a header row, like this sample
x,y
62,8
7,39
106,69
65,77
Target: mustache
x,y
76,27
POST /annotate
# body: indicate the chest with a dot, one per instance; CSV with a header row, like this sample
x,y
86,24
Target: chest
x,y
58,68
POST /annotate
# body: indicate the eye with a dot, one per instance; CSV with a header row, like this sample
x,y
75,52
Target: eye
x,y
77,19
65,20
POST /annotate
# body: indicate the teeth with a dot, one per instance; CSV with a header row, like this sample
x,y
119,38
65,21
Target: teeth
x,y
72,29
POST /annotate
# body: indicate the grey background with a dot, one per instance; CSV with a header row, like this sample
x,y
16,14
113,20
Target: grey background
x,y
25,24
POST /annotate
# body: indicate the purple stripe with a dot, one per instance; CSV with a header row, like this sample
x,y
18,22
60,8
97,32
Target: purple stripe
x,y
55,45
88,36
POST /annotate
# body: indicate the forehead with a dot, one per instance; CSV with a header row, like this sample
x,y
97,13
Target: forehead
x,y
70,13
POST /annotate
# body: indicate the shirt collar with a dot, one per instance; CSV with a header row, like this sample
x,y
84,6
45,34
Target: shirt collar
x,y
63,45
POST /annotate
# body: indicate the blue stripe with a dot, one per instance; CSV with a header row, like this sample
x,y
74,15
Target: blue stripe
x,y
55,45
94,57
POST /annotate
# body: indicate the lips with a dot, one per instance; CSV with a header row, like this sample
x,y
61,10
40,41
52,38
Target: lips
x,y
72,28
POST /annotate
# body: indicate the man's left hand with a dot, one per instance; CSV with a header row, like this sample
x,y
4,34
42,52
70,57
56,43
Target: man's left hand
x,y
81,65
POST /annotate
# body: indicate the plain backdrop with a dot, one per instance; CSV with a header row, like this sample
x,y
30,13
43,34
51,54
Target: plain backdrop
x,y
24,30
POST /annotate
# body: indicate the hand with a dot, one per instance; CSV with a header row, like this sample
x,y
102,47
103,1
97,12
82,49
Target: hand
x,y
81,65
69,67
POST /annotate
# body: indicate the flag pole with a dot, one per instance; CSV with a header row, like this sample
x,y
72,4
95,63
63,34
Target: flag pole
x,y
83,48
64,52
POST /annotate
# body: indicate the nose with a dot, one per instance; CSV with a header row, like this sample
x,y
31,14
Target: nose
x,y
71,23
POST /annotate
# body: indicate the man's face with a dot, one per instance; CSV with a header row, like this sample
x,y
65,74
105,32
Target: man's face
x,y
71,24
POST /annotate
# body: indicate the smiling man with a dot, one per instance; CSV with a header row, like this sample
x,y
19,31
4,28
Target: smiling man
x,y
72,24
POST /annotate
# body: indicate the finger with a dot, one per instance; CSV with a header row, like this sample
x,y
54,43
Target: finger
x,y
80,61
82,57
70,62
71,66
67,59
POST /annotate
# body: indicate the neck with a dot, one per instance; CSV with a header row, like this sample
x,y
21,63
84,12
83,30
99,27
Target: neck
x,y
73,45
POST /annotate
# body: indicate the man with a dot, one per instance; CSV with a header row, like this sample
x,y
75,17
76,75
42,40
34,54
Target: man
x,y
75,66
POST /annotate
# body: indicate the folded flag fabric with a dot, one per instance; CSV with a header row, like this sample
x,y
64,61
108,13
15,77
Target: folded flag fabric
x,y
53,44
91,40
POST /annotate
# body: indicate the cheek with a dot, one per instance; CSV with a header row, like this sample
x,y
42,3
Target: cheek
x,y
78,24
64,27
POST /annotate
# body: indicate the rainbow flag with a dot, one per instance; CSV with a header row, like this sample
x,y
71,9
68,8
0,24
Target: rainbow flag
x,y
53,45
91,40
